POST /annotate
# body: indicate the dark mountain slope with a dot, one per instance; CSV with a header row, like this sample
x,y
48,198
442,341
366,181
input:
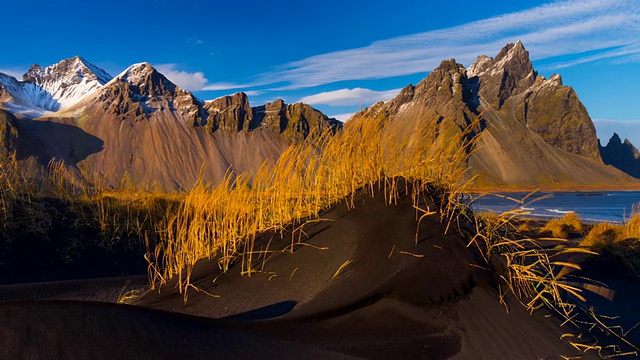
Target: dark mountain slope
x,y
622,155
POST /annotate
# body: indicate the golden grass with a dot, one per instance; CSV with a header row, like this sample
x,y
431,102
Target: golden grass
x,y
631,230
621,242
540,277
602,234
35,199
606,234
523,226
561,228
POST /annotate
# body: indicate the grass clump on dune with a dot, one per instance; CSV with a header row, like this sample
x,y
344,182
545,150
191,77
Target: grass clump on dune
x,y
606,234
602,234
539,271
621,242
222,222
563,227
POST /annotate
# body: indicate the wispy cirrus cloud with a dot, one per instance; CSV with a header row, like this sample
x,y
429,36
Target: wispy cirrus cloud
x,y
191,81
346,97
555,29
576,31
629,53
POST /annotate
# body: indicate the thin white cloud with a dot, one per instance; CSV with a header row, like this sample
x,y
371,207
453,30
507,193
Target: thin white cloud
x,y
624,54
195,41
554,29
186,80
254,92
347,97
342,117
15,73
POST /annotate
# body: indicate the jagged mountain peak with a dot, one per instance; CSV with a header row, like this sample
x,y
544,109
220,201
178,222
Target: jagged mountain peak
x,y
614,140
510,73
135,70
482,63
513,51
239,98
513,58
532,131
622,155
148,81
137,73
70,71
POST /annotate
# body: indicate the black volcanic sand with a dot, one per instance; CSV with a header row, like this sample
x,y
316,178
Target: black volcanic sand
x,y
395,299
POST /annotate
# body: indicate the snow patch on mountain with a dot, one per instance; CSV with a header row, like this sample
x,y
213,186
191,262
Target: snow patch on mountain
x,y
24,97
52,88
68,81
135,74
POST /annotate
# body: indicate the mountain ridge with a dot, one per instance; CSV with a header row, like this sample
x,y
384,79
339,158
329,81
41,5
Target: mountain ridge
x,y
140,125
534,132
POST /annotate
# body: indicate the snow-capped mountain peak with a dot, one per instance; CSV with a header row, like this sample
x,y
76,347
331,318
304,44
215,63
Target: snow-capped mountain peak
x,y
68,81
136,73
147,78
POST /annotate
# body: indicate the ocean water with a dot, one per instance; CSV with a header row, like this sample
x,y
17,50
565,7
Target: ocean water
x,y
610,206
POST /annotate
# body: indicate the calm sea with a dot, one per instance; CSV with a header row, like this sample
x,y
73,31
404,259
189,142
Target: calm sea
x,y
611,206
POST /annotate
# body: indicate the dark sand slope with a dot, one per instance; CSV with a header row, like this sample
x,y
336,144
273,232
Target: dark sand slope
x,y
395,299
85,330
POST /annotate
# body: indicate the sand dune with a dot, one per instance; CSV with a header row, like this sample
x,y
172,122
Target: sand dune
x,y
356,285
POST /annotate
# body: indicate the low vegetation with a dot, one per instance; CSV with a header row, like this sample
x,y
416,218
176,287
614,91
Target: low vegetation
x,y
538,270
53,226
564,227
620,242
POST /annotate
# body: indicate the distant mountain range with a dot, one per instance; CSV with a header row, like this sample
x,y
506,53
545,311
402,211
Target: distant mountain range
x,y
142,125
535,131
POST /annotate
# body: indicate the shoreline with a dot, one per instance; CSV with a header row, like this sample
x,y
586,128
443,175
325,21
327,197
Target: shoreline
x,y
559,189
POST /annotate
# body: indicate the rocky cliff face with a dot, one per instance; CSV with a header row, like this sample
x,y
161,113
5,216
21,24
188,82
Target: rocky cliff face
x,y
8,133
534,132
295,122
510,85
510,73
622,155
229,113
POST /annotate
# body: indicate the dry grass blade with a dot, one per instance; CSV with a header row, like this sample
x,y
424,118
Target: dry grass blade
x,y
344,265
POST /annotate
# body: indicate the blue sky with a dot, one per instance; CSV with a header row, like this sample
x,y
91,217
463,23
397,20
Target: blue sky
x,y
338,55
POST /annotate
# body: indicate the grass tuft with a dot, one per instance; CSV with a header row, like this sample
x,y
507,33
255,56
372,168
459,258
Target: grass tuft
x,y
563,227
